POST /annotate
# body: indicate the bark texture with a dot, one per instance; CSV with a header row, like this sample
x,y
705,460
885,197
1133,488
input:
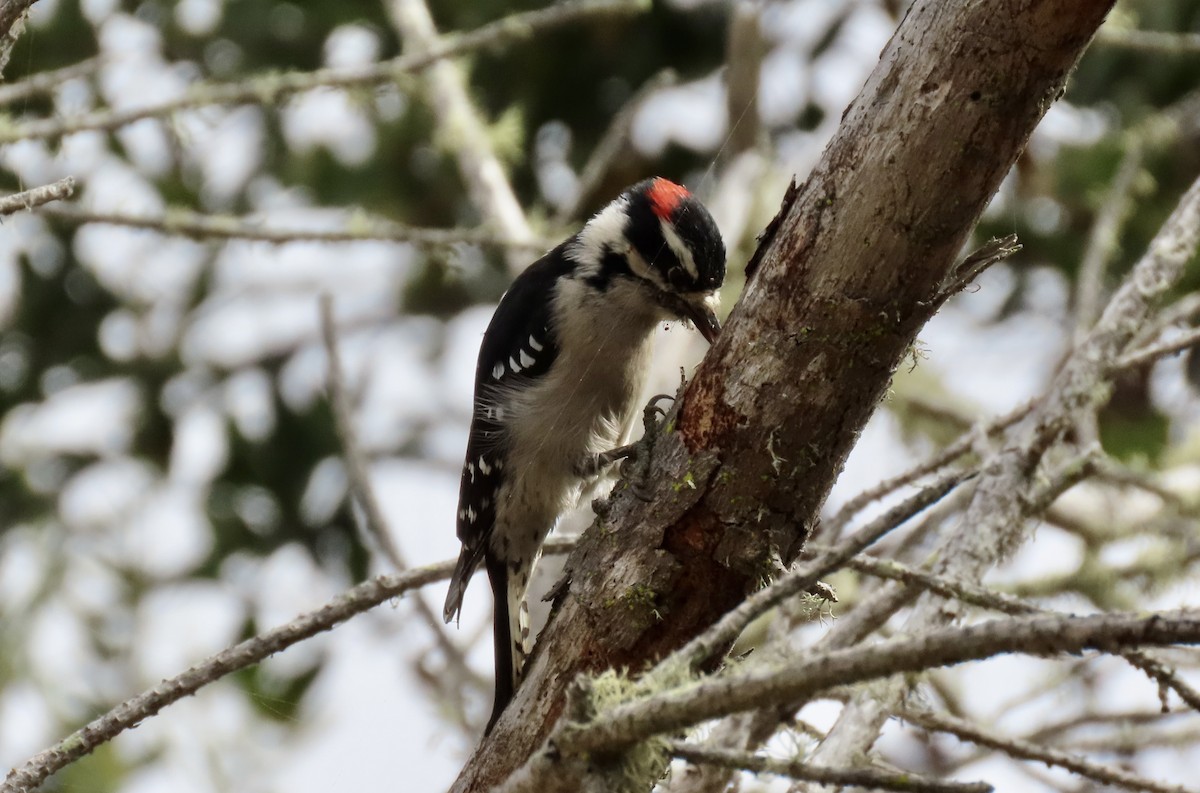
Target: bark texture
x,y
859,258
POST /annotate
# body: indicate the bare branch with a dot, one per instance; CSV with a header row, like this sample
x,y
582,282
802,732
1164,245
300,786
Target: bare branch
x,y
795,769
1024,750
365,596
943,458
360,483
726,630
269,89
1001,505
45,82
1152,352
1008,604
1102,241
461,127
626,724
198,226
56,191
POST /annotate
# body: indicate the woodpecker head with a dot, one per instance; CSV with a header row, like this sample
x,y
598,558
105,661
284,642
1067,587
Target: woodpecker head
x,y
658,236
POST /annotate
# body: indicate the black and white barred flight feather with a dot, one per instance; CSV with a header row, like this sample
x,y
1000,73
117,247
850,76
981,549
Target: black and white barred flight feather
x,y
558,380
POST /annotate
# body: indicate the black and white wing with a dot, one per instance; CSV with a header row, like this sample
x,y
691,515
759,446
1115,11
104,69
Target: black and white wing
x,y
518,347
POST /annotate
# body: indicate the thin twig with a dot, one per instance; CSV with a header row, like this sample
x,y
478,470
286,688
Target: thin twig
x,y
1103,239
1127,742
356,461
364,492
45,82
703,647
35,197
1183,311
795,769
939,585
1008,604
1153,352
269,89
975,263
961,446
1024,750
194,225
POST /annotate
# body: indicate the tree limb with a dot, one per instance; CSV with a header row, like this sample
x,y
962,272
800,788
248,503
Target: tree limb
x,y
1025,750
200,226
1041,635
28,199
796,769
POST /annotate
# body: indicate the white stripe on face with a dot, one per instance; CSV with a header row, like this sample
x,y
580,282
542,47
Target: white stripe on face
x,y
682,252
606,230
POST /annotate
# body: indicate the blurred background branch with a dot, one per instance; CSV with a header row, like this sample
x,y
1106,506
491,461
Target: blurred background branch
x,y
35,197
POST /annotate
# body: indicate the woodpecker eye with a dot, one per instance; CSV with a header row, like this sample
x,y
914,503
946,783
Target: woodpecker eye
x,y
678,278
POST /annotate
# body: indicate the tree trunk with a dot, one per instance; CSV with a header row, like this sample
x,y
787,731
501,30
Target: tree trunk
x,y
859,258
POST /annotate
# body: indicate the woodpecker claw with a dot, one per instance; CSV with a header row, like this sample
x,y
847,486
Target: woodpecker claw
x,y
638,461
641,492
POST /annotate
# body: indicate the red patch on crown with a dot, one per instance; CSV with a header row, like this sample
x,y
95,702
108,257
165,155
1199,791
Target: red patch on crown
x,y
665,196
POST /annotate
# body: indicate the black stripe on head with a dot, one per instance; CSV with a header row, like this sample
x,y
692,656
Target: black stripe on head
x,y
612,264
699,232
644,231
656,201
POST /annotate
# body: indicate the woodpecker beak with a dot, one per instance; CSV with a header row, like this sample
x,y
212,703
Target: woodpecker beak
x,y
700,310
704,318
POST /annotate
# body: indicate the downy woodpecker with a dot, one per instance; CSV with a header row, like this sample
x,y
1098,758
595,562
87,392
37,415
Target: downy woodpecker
x,y
560,372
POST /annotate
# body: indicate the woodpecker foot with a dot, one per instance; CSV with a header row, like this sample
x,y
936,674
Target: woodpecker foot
x,y
636,468
636,456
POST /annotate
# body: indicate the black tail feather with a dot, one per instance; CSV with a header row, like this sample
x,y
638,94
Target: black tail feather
x,y
468,562
498,575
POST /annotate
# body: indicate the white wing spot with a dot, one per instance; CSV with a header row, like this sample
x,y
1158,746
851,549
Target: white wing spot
x,y
526,359
471,470
512,364
471,514
484,468
498,370
534,344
